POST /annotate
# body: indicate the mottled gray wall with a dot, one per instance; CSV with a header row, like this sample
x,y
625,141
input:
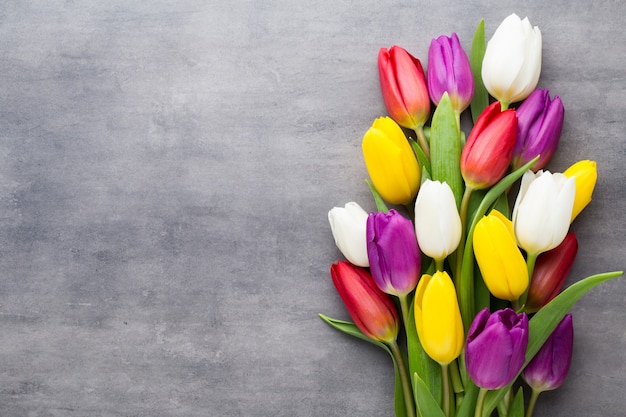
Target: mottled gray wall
x,y
165,172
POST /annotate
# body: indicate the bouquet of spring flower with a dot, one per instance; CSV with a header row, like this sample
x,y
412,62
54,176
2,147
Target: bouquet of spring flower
x,y
475,288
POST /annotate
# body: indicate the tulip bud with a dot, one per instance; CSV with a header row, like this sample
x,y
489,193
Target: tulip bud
x,y
549,367
373,312
542,211
550,273
437,221
390,162
540,121
586,174
449,70
348,227
512,61
403,85
438,318
393,252
496,347
500,261
489,148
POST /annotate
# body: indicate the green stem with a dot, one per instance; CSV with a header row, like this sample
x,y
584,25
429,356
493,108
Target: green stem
x,y
461,248
445,384
404,306
480,402
421,137
504,105
455,377
438,264
532,402
531,259
407,389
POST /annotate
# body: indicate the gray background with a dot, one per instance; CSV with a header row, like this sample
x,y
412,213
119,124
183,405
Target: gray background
x,y
165,172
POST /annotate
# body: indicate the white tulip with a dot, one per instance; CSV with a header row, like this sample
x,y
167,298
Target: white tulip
x,y
542,211
437,220
512,61
348,227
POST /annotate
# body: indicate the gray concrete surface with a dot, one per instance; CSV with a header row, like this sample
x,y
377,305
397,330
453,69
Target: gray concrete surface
x,y
165,172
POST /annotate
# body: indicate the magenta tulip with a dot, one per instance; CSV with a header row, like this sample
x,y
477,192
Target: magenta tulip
x,y
549,367
449,70
540,121
496,347
393,253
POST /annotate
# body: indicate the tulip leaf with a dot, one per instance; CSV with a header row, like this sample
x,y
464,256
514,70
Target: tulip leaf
x,y
468,404
517,406
445,148
419,361
481,96
380,203
427,406
541,325
352,330
423,160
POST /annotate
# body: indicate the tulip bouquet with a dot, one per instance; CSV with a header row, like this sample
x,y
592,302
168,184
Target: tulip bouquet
x,y
465,294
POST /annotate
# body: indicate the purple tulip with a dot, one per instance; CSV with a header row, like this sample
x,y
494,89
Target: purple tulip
x,y
548,368
496,347
540,121
449,70
393,252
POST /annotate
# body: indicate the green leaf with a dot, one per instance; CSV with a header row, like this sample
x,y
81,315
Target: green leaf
x,y
468,404
380,203
517,406
545,320
419,361
352,330
421,157
427,406
481,96
445,148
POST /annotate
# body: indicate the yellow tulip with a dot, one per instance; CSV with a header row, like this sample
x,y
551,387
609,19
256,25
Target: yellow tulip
x,y
500,261
586,174
390,162
438,318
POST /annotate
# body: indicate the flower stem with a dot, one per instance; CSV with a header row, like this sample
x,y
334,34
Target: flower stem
x,y
445,384
407,389
404,306
455,377
504,105
531,259
461,248
532,402
480,402
421,137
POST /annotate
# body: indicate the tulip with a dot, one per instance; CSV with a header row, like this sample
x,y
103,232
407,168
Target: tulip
x,y
449,70
393,252
512,61
540,121
496,347
586,174
437,221
403,85
500,261
373,312
548,368
542,211
550,273
390,162
438,318
489,147
347,225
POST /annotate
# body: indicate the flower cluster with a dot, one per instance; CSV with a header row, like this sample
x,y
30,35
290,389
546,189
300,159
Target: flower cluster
x,y
474,287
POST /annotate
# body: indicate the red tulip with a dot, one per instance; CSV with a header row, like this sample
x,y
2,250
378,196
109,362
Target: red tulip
x,y
372,310
551,270
404,88
489,148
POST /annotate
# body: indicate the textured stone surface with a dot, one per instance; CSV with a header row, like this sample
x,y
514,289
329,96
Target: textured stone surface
x,y
165,172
